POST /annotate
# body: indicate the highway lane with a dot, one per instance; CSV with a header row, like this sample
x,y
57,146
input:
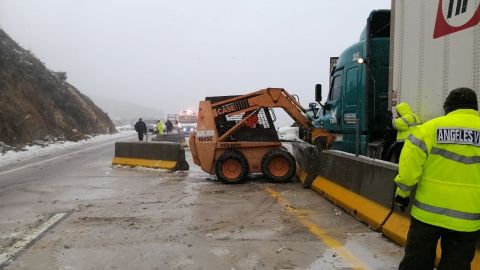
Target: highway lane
x,y
133,218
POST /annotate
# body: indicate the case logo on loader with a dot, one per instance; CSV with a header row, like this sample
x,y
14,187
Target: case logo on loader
x,y
232,107
455,15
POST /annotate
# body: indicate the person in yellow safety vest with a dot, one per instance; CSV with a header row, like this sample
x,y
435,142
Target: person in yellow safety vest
x,y
405,121
160,127
442,158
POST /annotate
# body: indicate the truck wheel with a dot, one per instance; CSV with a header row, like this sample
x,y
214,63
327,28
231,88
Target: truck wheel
x,y
278,165
231,167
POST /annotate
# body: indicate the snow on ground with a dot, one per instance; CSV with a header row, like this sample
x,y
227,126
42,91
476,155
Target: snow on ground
x,y
33,151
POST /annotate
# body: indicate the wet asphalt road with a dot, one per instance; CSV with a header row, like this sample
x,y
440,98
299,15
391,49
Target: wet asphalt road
x,y
134,218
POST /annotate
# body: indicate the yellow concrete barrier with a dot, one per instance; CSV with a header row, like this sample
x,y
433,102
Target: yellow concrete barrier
x,y
157,164
159,155
366,210
396,228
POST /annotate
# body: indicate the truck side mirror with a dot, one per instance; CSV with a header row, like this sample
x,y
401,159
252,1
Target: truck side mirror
x,y
314,107
318,93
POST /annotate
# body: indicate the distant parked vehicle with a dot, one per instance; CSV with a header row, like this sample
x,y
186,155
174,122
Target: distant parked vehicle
x,y
288,133
151,125
187,121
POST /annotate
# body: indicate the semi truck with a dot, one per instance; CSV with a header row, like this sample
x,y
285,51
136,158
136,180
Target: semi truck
x,y
416,53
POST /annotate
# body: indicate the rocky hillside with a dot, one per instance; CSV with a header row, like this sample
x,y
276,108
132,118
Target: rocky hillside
x,y
38,104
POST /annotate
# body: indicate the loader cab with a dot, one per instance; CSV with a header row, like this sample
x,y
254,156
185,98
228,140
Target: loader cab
x,y
357,101
259,127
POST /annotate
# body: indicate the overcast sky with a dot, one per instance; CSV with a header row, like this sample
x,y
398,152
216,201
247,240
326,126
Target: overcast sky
x,y
171,54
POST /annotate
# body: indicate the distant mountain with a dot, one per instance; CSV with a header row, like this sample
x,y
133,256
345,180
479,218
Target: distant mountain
x,y
38,104
122,112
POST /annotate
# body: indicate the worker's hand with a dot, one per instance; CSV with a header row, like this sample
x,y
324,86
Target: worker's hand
x,y
402,202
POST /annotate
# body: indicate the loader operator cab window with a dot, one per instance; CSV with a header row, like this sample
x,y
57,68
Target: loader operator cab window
x,y
261,129
252,121
258,127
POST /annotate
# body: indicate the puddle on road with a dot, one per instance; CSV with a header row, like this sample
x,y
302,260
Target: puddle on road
x,y
216,192
245,235
218,251
370,247
111,219
88,193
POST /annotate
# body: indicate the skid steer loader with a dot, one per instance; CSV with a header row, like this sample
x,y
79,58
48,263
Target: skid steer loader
x,y
236,136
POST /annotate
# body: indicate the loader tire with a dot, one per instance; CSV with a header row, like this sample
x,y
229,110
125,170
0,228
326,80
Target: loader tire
x,y
279,166
231,167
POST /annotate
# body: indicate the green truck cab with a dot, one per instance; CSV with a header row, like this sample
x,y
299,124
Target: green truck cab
x,y
356,109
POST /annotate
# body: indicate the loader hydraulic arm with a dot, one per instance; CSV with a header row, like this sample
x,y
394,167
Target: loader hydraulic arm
x,y
265,98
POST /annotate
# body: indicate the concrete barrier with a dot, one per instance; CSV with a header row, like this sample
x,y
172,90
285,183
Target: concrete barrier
x,y
170,137
362,186
162,155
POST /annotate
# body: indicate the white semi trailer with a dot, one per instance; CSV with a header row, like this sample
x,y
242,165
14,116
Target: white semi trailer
x,y
435,49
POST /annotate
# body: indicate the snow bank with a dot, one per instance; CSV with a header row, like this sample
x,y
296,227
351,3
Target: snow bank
x,y
33,151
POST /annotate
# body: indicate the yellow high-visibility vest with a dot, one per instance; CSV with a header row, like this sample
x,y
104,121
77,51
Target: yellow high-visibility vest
x,y
160,127
442,156
405,121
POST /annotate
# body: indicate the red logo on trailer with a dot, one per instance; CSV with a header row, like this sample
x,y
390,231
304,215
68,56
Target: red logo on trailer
x,y
455,15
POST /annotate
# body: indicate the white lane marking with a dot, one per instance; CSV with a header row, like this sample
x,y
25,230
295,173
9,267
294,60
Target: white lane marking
x,y
54,158
9,253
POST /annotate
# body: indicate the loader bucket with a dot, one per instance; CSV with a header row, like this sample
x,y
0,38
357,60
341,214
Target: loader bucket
x,y
159,155
307,157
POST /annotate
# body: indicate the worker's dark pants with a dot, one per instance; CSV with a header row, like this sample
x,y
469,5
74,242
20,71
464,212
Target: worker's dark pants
x,y
140,136
458,248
